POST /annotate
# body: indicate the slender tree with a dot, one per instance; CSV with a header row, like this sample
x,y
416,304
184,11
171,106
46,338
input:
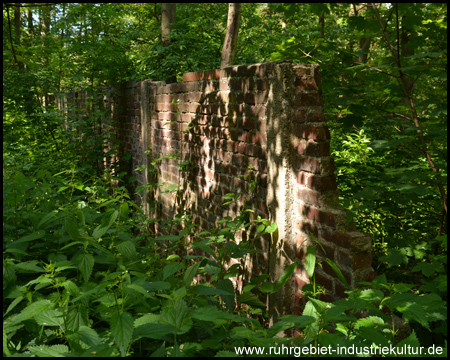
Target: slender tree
x,y
168,16
229,45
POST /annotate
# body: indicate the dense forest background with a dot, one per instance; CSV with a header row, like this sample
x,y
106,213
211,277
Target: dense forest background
x,y
384,71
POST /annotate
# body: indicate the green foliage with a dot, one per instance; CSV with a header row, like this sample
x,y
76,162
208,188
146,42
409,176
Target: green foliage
x,y
84,275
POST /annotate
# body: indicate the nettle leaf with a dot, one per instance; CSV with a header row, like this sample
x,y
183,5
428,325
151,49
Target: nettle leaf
x,y
136,289
214,314
207,290
371,329
168,238
177,314
107,221
77,316
31,311
411,340
28,266
285,276
87,335
122,330
5,344
312,329
250,299
71,288
14,304
50,318
50,351
266,287
124,208
154,331
157,285
310,261
47,218
190,273
371,295
85,265
127,249
34,236
72,229
171,269
227,285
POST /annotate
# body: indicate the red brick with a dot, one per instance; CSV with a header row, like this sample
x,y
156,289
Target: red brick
x,y
307,227
238,135
308,164
316,133
255,110
324,281
299,283
299,71
361,261
300,116
321,149
314,214
307,99
259,139
261,97
316,117
309,196
201,75
248,123
306,84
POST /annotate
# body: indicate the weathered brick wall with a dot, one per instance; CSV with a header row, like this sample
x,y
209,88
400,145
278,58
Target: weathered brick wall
x,y
269,116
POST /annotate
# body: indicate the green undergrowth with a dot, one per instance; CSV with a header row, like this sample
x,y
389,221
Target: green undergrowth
x,y
83,276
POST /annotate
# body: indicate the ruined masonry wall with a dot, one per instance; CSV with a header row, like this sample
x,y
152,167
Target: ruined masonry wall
x,y
268,116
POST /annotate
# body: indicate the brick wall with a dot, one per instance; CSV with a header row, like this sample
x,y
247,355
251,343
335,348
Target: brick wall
x,y
269,116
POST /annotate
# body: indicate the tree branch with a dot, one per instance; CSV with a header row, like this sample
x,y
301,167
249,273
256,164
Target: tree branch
x,y
412,105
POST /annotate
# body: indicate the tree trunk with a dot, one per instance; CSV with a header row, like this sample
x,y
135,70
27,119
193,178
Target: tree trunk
x,y
17,30
30,21
17,23
229,46
168,16
364,46
322,25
